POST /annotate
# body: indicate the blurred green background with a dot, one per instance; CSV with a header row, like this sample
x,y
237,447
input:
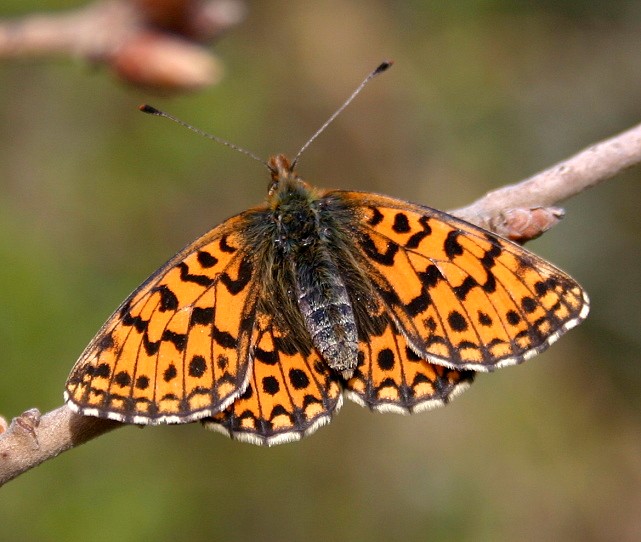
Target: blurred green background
x,y
94,196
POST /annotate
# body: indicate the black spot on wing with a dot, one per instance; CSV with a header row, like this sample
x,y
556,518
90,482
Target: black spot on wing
x,y
206,259
298,379
484,319
142,382
268,357
106,342
247,394
136,321
457,321
201,316
235,286
385,359
489,285
430,323
168,299
186,276
377,217
451,246
528,304
197,366
513,317
123,379
225,247
222,362
286,346
102,371
464,288
415,240
151,347
270,385
489,258
419,304
411,355
401,223
223,338
179,340
170,373
431,276
384,258
544,286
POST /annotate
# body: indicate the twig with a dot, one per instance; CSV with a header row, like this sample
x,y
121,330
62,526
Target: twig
x,y
31,439
584,170
156,45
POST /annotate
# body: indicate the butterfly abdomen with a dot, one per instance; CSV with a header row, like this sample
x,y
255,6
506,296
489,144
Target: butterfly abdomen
x,y
326,309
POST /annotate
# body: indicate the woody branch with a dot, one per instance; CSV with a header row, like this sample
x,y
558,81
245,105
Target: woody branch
x,y
523,210
157,45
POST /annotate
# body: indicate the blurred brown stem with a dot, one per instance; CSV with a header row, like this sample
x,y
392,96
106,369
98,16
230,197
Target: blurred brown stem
x,y
32,439
154,44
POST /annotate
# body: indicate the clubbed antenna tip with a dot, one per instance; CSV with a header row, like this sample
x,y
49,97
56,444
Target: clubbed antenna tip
x,y
383,66
149,109
153,111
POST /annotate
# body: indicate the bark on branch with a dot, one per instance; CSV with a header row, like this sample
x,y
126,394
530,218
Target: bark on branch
x,y
521,211
591,166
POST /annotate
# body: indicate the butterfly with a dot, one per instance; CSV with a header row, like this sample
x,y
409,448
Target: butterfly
x,y
261,326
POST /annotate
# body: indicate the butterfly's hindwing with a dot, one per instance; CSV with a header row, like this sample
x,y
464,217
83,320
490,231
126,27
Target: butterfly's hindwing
x,y
391,378
291,393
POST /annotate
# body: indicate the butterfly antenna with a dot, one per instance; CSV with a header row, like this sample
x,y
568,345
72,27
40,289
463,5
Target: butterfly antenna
x,y
153,111
380,69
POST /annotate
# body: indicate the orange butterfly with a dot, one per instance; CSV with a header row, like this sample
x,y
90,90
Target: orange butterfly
x,y
259,326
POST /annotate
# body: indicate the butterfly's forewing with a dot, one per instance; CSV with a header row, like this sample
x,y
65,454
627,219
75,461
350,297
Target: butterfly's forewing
x,y
291,392
177,349
463,297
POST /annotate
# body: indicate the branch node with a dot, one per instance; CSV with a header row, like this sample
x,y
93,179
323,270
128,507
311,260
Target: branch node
x,y
524,224
25,425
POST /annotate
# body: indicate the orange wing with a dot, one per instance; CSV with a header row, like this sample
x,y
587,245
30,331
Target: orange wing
x,y
390,377
461,296
177,349
291,393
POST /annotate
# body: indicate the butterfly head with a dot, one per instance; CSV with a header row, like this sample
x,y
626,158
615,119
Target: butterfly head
x,y
281,169
284,178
